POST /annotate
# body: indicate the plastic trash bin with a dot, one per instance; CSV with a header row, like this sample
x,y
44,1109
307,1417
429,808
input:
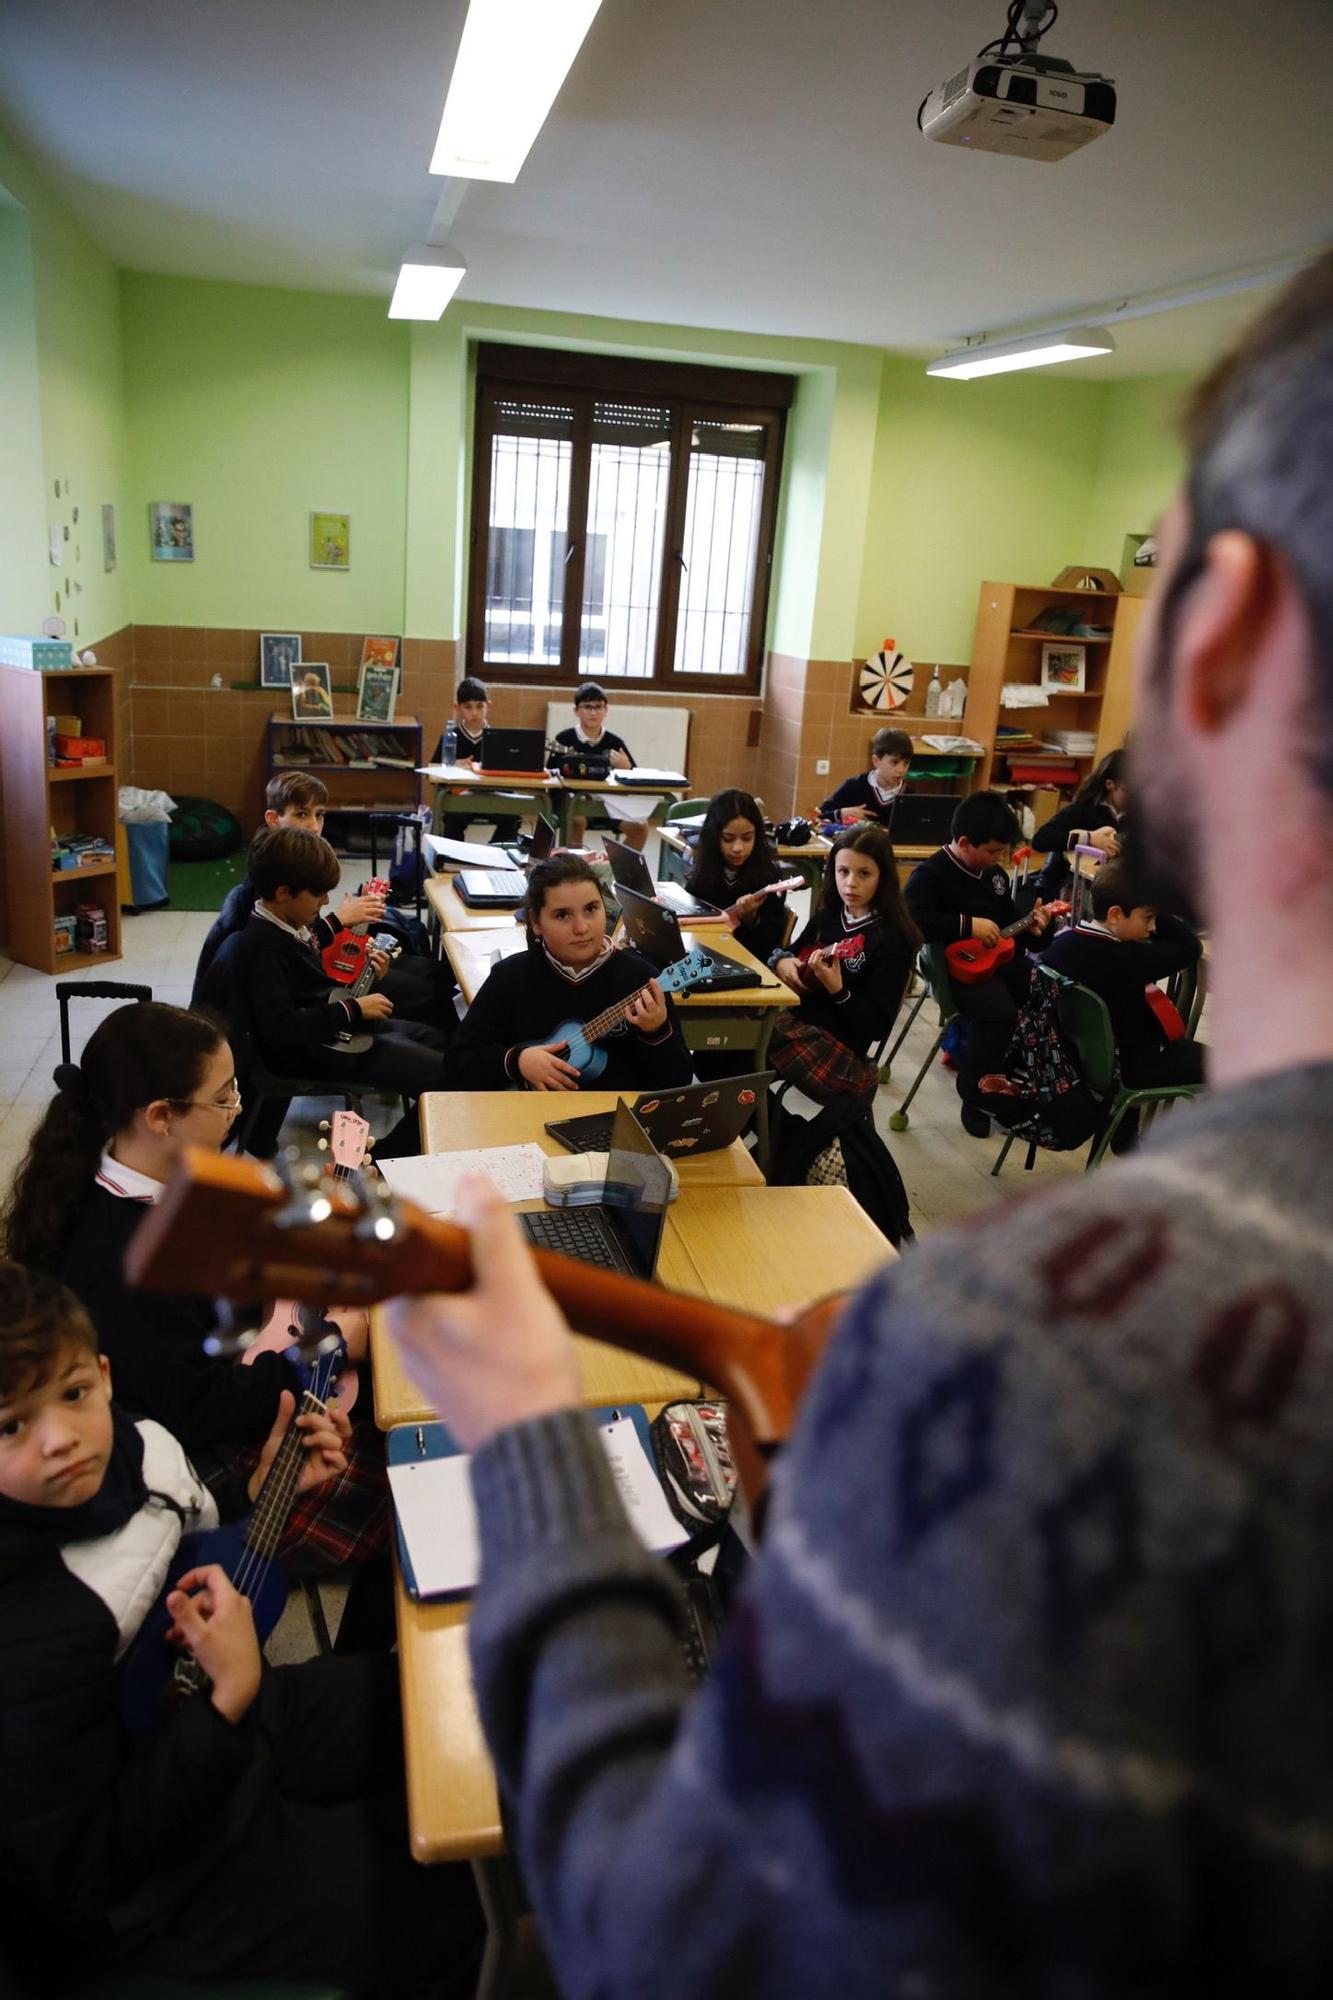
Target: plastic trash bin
x,y
148,843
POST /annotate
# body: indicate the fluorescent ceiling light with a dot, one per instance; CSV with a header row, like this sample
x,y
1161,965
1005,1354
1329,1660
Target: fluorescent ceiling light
x,y
426,283
512,60
1032,350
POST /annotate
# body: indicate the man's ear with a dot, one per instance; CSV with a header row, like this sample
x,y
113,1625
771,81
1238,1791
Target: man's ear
x,y
1220,635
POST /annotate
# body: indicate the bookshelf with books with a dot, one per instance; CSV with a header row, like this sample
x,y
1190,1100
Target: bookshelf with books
x,y
367,766
1054,743
61,822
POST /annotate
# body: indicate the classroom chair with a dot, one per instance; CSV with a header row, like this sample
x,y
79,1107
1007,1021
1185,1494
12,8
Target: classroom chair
x,y
1085,1020
935,972
92,989
686,809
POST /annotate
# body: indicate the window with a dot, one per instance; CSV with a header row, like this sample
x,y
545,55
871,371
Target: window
x,y
622,519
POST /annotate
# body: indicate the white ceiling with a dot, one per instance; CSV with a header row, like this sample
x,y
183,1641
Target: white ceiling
x,y
750,164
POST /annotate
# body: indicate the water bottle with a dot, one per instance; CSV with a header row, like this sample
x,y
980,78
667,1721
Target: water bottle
x,y
451,742
933,693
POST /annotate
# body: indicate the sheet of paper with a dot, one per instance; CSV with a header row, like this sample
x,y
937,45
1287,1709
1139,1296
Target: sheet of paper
x,y
446,774
465,853
645,773
431,1179
432,1498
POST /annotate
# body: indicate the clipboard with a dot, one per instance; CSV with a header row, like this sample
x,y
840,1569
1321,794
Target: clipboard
x,y
420,1444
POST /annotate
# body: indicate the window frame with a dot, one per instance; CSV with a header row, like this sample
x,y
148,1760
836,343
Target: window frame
x,y
690,392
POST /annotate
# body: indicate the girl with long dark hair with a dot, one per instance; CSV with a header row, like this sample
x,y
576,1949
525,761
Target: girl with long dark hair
x,y
732,861
1091,819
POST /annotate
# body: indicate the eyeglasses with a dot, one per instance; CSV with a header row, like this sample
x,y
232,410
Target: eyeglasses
x,y
228,1106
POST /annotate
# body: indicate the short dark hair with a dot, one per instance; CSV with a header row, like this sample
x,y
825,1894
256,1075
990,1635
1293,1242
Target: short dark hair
x,y
1116,886
39,1317
548,875
985,816
287,857
892,743
1260,434
471,689
294,788
588,691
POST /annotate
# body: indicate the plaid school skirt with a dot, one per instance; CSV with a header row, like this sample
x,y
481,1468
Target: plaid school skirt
x,y
345,1521
818,1063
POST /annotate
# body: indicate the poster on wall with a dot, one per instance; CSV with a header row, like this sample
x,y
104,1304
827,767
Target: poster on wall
x,y
312,691
330,541
172,523
279,652
108,537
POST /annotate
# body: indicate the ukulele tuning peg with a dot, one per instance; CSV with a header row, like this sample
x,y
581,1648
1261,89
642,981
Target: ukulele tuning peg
x,y
323,1145
325,1125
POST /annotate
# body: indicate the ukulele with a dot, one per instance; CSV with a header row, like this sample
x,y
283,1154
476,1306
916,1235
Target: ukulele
x,y
1166,1014
789,882
576,1041
291,1325
970,961
344,959
348,1042
848,947
238,1228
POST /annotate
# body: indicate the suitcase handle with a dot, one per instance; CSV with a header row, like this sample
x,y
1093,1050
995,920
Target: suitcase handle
x,y
92,989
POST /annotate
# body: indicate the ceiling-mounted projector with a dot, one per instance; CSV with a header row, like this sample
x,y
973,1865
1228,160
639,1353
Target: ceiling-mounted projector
x,y
1010,99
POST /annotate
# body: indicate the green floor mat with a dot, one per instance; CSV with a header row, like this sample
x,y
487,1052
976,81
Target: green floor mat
x,y
202,885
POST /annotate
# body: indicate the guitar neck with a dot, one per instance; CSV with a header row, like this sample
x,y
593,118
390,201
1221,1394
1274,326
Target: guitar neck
x,y
276,1496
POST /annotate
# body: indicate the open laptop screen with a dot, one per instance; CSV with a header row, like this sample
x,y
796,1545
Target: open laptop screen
x,y
652,930
638,1186
629,870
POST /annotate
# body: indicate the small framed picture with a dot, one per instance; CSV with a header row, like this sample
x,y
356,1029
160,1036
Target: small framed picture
x,y
312,691
279,652
1064,669
330,541
379,652
376,693
172,525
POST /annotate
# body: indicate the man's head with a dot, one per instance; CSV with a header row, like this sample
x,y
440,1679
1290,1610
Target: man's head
x,y
296,799
1118,902
292,873
472,704
1236,649
55,1394
983,829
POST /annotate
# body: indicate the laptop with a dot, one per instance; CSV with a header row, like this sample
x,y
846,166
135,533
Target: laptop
x,y
513,752
702,1118
534,846
491,888
656,933
623,1231
629,870
923,819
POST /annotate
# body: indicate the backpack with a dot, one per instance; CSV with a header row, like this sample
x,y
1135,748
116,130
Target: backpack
x,y
1040,1096
869,1170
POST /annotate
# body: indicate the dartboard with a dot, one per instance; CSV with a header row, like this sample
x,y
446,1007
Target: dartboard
x,y
885,680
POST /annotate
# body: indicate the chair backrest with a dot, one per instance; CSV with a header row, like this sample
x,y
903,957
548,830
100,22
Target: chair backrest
x,y
92,989
1084,1018
687,808
788,924
935,972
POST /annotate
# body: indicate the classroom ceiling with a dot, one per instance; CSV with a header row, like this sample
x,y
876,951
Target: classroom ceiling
x,y
747,164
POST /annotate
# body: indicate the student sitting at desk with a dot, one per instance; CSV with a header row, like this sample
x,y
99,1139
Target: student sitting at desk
x,y
253,1831
629,812
472,708
731,862
568,972
873,794
1091,819
862,943
963,891
420,988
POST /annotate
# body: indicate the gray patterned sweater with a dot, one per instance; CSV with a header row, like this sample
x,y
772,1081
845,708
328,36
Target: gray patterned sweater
x,y
1031,1692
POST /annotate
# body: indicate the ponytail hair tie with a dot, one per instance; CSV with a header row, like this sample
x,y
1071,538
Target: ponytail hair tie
x,y
70,1078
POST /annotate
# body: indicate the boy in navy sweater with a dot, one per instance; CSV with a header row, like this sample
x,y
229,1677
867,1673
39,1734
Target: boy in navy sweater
x,y
963,891
472,710
873,794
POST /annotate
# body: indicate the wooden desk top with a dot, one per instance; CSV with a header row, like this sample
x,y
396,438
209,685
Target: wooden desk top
x,y
767,991
458,1120
454,914
472,954
770,1246
462,778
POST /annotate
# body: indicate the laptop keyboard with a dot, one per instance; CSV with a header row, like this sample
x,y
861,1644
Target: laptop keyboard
x,y
571,1233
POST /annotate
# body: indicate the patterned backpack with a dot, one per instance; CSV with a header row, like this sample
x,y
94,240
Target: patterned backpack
x,y
1040,1096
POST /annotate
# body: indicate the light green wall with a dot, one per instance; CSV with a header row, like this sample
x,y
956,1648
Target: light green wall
x,y
258,407
24,596
1142,461
76,312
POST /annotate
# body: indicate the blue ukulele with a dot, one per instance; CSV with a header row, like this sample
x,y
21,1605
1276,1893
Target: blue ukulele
x,y
576,1040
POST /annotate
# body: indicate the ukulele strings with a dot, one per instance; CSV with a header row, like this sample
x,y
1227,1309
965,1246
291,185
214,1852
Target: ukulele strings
x,y
279,1489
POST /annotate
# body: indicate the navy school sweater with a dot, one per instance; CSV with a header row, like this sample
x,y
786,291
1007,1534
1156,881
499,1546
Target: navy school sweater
x,y
1117,971
943,896
525,999
859,791
873,979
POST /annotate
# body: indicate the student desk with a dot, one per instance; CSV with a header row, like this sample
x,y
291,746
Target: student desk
x,y
550,793
756,1243
581,793
451,913
473,953
459,1120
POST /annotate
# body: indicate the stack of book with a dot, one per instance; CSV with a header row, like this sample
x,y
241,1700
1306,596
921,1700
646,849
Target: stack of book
x,y
354,749
80,850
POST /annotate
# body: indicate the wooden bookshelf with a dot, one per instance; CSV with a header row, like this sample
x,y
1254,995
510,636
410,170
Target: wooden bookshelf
x,y
354,789
39,798
1007,647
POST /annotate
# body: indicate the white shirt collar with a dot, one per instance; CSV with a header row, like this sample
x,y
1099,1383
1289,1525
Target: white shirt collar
x,y
885,798
591,741
850,924
128,1182
1098,929
302,935
573,974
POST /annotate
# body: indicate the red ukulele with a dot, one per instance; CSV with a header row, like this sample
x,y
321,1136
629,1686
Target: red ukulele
x,y
970,961
847,947
345,959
